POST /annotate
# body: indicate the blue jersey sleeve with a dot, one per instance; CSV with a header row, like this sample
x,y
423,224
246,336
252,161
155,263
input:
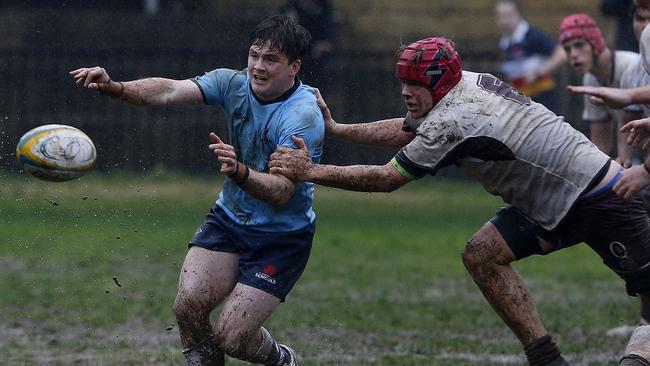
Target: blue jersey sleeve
x,y
215,85
304,119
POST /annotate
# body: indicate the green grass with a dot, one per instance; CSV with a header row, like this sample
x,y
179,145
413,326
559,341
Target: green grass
x,y
384,285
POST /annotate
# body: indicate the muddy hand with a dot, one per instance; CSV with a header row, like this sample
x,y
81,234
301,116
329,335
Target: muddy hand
x,y
294,164
93,78
632,181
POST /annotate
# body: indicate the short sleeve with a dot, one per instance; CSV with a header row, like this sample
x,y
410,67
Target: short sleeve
x,y
214,85
431,144
631,79
592,112
303,119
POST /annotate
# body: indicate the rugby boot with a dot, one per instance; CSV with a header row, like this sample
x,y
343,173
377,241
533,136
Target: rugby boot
x,y
293,358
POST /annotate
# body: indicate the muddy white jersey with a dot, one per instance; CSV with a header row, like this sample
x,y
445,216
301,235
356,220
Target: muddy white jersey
x,y
516,148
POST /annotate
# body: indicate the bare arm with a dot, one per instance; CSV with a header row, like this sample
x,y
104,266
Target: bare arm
x,y
144,92
297,165
600,133
384,133
614,97
625,150
273,189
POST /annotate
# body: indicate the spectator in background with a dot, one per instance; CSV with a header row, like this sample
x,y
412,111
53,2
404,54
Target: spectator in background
x,y
622,11
317,16
598,65
530,56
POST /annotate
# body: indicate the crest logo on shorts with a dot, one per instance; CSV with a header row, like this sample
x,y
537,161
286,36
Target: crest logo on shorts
x,y
270,270
618,250
267,274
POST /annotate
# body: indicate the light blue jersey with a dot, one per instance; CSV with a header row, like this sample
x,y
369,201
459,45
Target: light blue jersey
x,y
256,129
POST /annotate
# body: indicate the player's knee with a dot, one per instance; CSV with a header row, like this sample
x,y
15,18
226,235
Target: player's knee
x,y
486,248
189,306
478,253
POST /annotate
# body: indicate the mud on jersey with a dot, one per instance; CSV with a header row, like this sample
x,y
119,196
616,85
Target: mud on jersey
x,y
516,148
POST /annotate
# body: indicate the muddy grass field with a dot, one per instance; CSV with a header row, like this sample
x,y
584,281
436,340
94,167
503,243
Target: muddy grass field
x,y
89,271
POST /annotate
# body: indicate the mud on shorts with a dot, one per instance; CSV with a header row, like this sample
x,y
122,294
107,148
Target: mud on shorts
x,y
618,230
269,261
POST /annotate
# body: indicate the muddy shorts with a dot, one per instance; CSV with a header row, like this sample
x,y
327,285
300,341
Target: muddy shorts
x,y
618,230
269,261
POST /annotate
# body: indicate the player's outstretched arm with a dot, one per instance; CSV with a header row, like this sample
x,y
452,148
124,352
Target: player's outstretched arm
x,y
638,133
604,96
145,92
273,189
297,165
384,133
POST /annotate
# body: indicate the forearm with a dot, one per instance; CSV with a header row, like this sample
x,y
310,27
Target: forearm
x,y
272,189
640,95
362,178
625,150
151,92
601,136
385,133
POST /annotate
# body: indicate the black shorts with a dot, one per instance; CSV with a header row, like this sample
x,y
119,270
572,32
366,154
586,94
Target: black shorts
x,y
268,261
618,230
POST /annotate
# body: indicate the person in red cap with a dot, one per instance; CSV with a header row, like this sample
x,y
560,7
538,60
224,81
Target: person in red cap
x,y
598,66
555,182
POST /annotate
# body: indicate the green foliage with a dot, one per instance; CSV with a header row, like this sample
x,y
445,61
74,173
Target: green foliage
x,y
89,271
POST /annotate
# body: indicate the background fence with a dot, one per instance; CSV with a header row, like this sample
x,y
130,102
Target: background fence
x,y
38,49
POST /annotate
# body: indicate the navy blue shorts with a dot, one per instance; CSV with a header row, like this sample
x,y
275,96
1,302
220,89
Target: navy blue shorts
x,y
269,261
618,230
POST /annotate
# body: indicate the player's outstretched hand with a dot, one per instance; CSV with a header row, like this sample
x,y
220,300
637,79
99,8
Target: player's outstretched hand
x,y
638,133
292,163
93,78
632,181
330,124
600,95
225,154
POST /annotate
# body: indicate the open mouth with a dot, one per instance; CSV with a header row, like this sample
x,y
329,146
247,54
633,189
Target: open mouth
x,y
259,79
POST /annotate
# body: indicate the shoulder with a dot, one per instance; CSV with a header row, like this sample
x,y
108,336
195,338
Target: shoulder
x,y
625,58
223,75
301,107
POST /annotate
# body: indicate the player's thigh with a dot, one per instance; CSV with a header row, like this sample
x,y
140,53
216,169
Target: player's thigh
x,y
207,276
245,311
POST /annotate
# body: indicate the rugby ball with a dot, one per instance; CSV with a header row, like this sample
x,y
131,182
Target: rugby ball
x,y
56,153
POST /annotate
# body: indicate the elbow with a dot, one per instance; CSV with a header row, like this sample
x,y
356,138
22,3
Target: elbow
x,y
282,197
392,186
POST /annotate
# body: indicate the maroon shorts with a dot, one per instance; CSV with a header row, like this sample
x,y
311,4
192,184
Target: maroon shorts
x,y
618,230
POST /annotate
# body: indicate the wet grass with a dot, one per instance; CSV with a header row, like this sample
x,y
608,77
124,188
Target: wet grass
x,y
89,271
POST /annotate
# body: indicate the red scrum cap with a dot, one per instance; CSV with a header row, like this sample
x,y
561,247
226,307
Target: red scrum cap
x,y
581,25
432,62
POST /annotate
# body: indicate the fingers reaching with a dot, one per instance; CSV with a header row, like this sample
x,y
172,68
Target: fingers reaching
x,y
300,142
215,138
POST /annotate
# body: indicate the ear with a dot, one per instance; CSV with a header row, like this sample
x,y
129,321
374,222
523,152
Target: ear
x,y
294,67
